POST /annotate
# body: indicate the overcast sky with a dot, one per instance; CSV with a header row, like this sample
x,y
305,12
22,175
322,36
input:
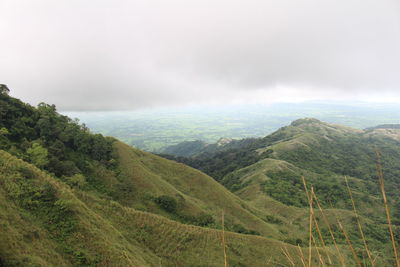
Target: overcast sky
x,y
127,54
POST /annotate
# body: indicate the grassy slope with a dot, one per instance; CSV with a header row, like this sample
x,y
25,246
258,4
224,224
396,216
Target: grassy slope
x,y
251,179
106,233
311,135
153,175
102,224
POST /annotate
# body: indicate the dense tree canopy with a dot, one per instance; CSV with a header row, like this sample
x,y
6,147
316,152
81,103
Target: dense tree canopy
x,y
48,139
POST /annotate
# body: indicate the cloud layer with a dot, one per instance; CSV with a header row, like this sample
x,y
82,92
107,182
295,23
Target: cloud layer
x,y
128,54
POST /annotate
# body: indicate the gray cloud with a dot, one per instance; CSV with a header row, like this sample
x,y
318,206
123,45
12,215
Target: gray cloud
x,y
129,54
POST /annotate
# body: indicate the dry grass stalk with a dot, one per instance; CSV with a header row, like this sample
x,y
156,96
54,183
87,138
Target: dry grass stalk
x,y
287,254
269,261
321,260
341,258
223,241
303,260
310,201
321,238
359,224
385,202
349,243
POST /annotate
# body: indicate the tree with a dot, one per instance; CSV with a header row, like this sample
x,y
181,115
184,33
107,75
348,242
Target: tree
x,y
3,138
38,155
3,131
4,89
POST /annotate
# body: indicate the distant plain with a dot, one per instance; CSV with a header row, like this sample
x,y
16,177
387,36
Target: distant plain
x,y
154,129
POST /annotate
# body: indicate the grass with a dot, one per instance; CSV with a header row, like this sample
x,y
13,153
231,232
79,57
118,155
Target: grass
x,y
195,192
313,222
223,241
359,224
107,229
107,233
385,202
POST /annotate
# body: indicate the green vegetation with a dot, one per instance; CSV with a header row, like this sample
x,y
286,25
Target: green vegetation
x,y
72,198
167,203
323,154
38,155
51,223
49,140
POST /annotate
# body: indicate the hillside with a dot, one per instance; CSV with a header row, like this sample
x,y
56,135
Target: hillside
x,y
72,198
314,148
49,223
267,173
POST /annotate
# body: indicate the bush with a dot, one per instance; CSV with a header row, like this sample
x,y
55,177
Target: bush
x,y
77,180
167,203
294,241
272,219
38,155
26,172
204,219
238,228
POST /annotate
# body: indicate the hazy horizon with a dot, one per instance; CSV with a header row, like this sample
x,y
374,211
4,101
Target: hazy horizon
x,y
154,129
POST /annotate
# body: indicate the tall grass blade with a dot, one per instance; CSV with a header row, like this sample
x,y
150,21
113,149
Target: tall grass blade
x,y
321,260
385,202
310,201
287,254
359,224
303,260
341,258
321,239
357,260
223,240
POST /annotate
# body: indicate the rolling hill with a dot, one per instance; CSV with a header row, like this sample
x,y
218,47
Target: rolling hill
x,y
72,198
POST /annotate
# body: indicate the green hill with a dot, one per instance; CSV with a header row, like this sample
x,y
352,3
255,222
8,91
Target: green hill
x,y
72,198
267,173
45,222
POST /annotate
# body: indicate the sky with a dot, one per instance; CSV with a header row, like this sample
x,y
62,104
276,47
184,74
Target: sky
x,y
131,54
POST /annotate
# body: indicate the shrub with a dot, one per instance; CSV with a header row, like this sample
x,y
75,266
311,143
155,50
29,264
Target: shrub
x,y
38,155
204,219
238,228
167,203
77,180
272,219
294,241
26,172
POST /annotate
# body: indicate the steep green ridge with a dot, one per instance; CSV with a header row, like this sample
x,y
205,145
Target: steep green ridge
x,y
196,193
315,147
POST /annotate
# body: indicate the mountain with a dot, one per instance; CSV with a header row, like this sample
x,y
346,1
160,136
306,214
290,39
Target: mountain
x,y
311,147
72,198
196,148
385,126
267,172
